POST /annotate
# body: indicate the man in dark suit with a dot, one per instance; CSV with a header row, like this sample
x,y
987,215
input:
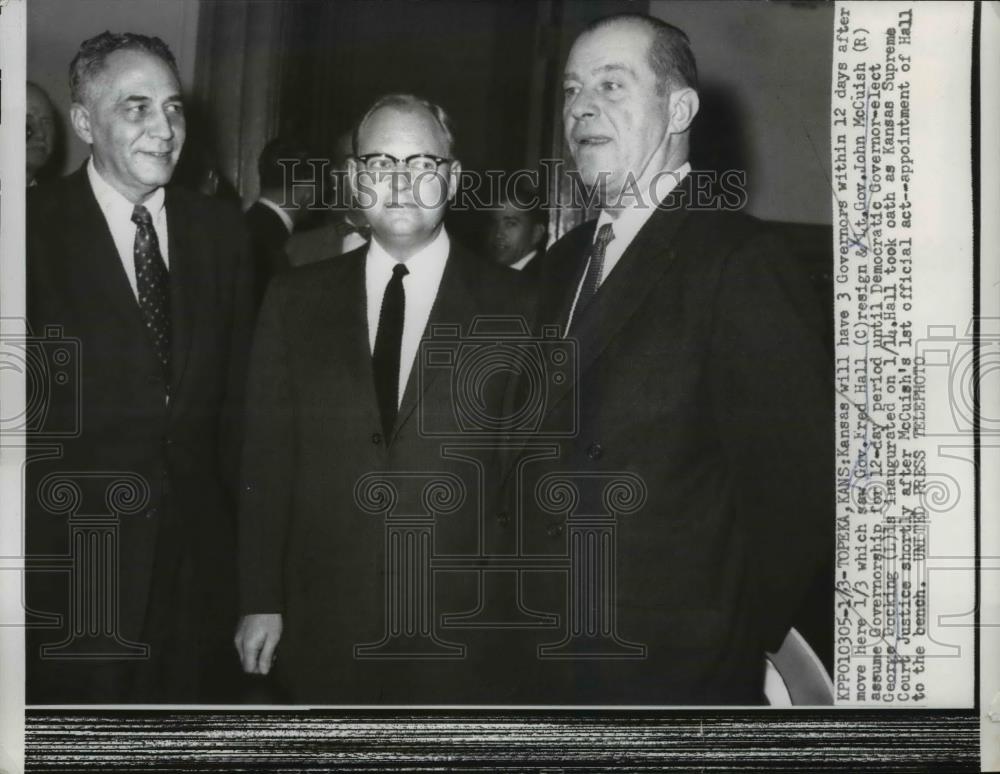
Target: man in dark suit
x,y
40,131
701,389
153,285
517,232
281,207
347,490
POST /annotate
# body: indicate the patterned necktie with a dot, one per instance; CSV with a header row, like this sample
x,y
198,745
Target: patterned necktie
x,y
153,283
595,268
388,342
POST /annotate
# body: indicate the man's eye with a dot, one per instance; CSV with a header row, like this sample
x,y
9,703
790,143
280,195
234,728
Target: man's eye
x,y
570,90
136,110
611,85
175,108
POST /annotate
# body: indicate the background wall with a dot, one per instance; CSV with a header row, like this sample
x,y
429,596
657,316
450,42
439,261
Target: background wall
x,y
57,27
765,72
765,76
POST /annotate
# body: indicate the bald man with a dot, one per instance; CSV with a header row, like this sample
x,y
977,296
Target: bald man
x,y
40,130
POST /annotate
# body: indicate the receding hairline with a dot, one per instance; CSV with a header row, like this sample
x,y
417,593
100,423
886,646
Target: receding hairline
x,y
668,48
610,22
100,72
413,108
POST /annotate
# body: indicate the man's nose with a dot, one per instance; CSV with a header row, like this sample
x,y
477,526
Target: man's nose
x,y
402,178
583,105
160,126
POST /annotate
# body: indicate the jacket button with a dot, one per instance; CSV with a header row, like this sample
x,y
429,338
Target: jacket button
x,y
502,518
376,438
595,451
554,530
249,488
151,513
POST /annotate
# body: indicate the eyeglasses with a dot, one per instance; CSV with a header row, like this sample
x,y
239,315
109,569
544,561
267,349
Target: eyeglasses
x,y
417,163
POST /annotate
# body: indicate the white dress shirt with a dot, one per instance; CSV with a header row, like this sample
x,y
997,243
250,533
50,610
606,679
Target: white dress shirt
x,y
279,212
524,261
628,222
352,241
118,214
420,287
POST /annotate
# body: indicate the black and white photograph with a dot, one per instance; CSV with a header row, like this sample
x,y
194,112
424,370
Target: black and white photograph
x,y
499,386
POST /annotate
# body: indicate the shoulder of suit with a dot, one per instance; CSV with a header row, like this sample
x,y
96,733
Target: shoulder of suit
x,y
495,289
482,273
57,193
308,275
569,245
197,205
732,225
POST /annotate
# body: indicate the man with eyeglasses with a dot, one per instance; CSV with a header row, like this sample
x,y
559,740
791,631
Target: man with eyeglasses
x,y
336,393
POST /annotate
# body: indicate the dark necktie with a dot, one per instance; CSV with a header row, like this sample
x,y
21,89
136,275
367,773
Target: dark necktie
x,y
595,267
388,341
153,284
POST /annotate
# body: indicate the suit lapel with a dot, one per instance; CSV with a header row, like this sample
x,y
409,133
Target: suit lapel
x,y
342,334
561,280
185,258
645,260
93,257
453,305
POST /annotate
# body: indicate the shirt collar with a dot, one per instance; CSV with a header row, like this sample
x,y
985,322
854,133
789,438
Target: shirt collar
x,y
431,256
631,219
116,205
520,264
279,211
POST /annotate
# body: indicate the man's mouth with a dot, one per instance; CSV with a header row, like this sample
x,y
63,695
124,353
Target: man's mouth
x,y
591,140
161,155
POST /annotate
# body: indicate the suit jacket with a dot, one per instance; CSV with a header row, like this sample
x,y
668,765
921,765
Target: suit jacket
x,y
184,452
533,270
313,545
268,237
701,373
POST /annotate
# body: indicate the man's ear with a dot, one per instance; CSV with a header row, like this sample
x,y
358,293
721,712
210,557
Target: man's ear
x,y
79,117
683,108
454,176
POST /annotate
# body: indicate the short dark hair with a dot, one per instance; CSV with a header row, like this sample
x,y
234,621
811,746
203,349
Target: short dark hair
x,y
94,51
409,102
525,198
269,167
670,55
